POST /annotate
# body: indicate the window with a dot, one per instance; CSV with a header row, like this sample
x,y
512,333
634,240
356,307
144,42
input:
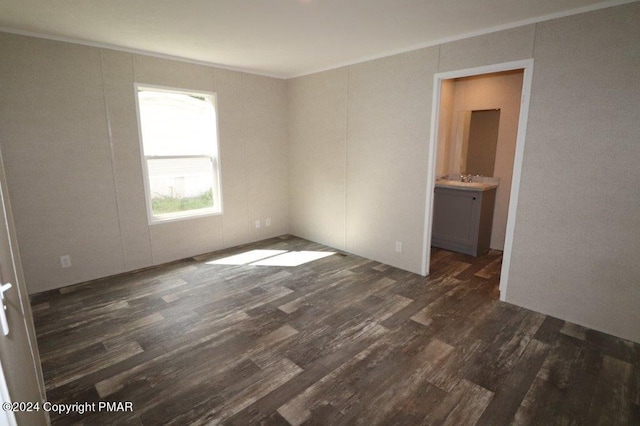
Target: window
x,y
179,143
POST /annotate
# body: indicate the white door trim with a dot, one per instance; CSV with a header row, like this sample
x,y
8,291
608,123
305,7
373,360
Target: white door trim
x,y
7,417
21,368
527,66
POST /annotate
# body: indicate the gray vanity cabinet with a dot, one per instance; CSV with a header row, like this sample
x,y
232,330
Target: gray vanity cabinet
x,y
462,219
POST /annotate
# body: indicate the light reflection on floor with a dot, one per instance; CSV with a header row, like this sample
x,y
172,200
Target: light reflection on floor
x,y
272,258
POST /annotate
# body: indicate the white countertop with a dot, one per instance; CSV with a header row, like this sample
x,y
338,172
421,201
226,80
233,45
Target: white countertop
x,y
466,186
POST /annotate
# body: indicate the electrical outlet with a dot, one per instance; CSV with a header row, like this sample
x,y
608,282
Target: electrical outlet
x,y
267,222
399,246
65,261
257,224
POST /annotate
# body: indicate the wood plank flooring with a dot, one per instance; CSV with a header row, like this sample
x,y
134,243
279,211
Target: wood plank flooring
x,y
339,340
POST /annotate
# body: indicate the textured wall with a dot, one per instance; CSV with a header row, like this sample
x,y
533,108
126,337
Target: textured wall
x,y
389,107
358,156
494,48
70,141
577,235
57,160
317,146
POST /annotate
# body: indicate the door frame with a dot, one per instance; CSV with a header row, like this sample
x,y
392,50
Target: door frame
x,y
527,66
22,380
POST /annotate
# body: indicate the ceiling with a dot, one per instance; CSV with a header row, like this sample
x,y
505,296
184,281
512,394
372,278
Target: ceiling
x,y
280,38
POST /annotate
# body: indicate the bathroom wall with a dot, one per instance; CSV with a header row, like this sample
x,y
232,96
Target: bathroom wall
x,y
69,137
445,128
490,91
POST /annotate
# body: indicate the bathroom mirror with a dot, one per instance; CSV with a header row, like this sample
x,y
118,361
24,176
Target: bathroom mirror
x,y
480,142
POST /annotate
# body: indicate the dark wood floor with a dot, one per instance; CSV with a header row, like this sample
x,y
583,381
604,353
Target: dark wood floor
x,y
340,340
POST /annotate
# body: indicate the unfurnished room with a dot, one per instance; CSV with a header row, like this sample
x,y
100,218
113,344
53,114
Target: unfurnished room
x,y
319,212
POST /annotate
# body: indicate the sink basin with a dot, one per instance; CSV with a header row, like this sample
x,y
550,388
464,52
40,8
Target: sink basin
x,y
468,186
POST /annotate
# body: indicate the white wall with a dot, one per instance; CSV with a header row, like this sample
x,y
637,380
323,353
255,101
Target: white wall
x,y
577,236
317,142
389,107
357,154
69,135
577,233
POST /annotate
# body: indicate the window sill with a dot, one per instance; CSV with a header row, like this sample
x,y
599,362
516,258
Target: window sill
x,y
173,217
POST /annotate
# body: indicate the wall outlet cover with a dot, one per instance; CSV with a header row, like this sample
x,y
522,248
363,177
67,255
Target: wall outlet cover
x,y
65,261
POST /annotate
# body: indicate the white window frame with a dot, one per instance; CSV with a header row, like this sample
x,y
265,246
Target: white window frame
x,y
216,184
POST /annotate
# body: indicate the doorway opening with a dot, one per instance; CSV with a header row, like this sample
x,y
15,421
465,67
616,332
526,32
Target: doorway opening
x,y
477,140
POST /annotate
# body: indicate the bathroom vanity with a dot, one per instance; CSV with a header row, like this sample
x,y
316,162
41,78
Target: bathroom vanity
x,y
463,215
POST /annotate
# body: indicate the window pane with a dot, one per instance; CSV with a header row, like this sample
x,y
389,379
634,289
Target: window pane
x,y
179,143
180,184
176,123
